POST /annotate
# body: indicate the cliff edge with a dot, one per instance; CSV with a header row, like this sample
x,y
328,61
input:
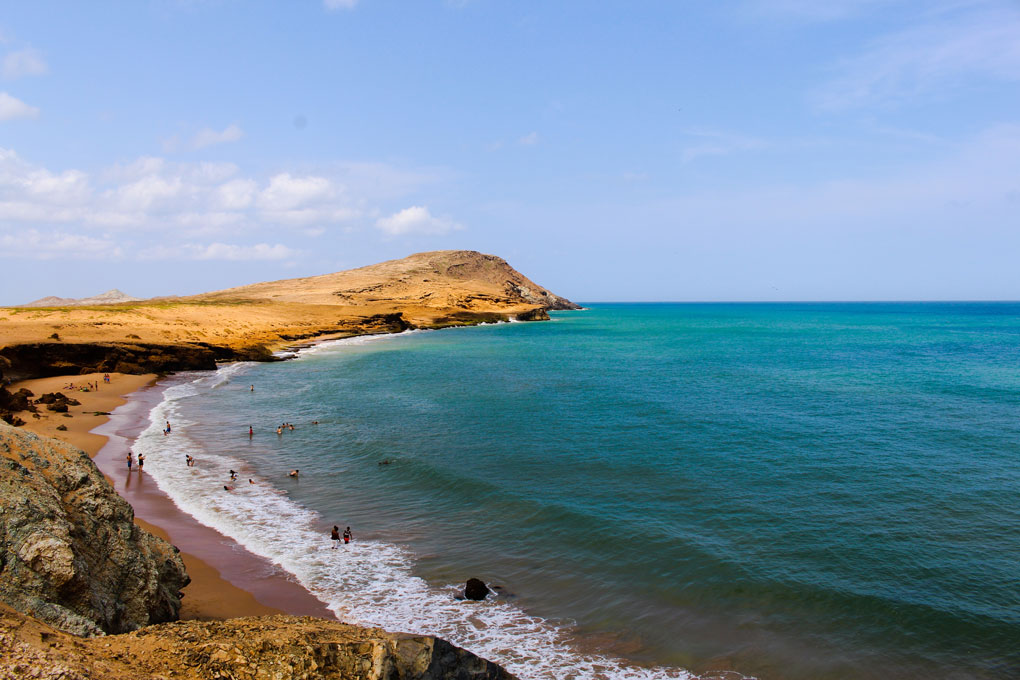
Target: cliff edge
x,y
70,552
267,648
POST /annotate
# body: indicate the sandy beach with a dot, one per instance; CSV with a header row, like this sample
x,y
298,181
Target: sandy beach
x,y
227,581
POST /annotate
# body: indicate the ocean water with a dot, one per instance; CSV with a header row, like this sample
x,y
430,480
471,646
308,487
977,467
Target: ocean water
x,y
796,491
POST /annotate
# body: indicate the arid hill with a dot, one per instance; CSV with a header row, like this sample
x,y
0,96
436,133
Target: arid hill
x,y
426,290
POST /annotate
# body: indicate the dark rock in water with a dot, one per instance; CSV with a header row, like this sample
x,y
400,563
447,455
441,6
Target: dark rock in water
x,y
538,314
475,589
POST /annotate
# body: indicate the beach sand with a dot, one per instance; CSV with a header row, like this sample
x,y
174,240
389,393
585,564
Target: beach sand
x,y
227,581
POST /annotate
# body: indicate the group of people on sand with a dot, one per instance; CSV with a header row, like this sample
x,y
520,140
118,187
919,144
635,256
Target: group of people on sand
x,y
88,386
131,459
335,536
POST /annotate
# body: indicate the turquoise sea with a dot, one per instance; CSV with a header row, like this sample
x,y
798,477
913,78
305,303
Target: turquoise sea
x,y
795,491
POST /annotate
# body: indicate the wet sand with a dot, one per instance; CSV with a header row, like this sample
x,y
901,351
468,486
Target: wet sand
x,y
226,580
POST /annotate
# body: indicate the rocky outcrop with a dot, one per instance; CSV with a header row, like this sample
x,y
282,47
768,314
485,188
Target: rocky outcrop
x,y
12,403
40,360
298,648
70,552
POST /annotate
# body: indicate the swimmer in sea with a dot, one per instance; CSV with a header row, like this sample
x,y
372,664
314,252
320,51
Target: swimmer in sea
x,y
251,432
292,473
233,475
279,430
188,460
251,481
228,488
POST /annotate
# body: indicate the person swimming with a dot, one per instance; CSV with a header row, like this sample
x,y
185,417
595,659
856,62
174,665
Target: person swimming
x,y
292,473
188,460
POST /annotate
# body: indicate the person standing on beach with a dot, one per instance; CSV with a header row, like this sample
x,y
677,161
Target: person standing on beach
x,y
335,535
130,459
348,536
141,461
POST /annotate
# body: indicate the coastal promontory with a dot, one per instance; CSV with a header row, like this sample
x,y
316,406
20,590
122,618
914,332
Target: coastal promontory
x,y
426,290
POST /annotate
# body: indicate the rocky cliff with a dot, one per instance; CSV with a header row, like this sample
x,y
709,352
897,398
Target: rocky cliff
x,y
70,552
270,648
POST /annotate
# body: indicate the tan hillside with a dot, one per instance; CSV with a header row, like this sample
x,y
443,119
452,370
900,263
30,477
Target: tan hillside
x,y
430,290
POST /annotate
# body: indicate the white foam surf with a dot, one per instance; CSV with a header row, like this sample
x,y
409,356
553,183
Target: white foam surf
x,y
366,582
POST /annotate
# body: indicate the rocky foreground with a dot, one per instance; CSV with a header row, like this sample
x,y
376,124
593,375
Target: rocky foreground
x,y
426,290
70,552
270,648
82,586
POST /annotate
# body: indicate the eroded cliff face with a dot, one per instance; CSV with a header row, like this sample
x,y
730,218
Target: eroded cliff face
x,y
268,648
70,552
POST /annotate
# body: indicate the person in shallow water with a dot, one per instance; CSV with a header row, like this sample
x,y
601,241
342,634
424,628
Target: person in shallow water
x,y
141,461
188,460
292,473
335,536
348,536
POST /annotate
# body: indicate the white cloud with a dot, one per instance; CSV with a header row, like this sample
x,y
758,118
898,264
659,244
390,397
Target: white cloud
x,y
286,192
530,139
37,245
236,194
11,108
416,220
204,205
934,58
339,4
209,137
27,62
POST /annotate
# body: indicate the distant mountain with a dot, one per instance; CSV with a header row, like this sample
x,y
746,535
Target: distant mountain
x,y
110,297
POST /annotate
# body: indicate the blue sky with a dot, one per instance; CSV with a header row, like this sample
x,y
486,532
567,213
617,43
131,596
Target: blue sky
x,y
746,150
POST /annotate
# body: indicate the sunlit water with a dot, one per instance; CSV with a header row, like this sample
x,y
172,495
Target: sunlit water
x,y
789,491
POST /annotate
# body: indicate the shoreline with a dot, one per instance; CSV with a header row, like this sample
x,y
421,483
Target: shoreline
x,y
227,580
